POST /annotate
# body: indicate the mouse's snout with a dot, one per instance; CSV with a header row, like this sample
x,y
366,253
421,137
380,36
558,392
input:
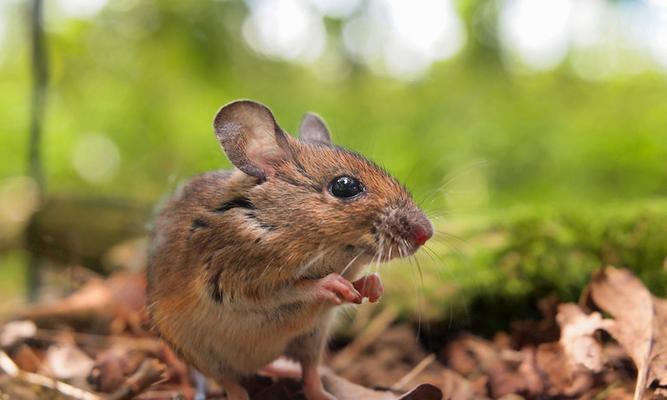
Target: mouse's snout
x,y
420,230
409,226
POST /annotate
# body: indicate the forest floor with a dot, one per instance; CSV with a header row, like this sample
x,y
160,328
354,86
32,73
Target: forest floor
x,y
94,344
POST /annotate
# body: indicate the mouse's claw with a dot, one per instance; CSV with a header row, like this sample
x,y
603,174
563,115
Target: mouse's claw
x,y
338,290
370,286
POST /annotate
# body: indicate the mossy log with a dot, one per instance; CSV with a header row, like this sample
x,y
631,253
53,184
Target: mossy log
x,y
80,230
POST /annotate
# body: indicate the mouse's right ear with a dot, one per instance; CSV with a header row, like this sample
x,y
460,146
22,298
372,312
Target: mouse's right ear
x,y
314,130
251,137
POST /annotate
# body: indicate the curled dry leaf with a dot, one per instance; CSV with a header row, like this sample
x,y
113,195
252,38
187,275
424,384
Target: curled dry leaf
x,y
149,372
346,390
112,367
66,361
639,326
577,330
14,331
559,379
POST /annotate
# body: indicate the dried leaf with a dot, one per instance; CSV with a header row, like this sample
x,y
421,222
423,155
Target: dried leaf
x,y
456,387
343,389
576,337
66,361
14,331
150,372
560,380
112,367
640,323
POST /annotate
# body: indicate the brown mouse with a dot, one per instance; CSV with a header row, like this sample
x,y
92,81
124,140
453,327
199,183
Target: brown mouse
x,y
250,264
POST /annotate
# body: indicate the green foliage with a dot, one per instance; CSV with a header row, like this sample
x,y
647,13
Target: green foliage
x,y
151,77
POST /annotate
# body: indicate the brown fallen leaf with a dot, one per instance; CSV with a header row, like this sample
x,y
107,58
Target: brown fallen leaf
x,y
639,326
149,372
112,366
469,355
263,388
15,331
346,390
390,357
576,337
559,378
67,362
456,387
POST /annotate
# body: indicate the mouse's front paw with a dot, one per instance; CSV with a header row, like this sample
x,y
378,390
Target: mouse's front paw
x,y
336,289
370,286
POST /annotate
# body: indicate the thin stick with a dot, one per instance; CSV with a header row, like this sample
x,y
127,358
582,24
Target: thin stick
x,y
10,368
150,372
93,340
418,369
361,342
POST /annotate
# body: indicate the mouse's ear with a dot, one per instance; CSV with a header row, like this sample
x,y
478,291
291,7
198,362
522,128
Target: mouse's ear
x,y
251,137
314,130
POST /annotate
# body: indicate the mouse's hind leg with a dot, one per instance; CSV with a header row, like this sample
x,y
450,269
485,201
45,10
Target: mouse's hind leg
x,y
308,350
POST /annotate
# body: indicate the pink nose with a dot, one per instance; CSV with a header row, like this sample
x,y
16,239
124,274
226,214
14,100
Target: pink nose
x,y
421,234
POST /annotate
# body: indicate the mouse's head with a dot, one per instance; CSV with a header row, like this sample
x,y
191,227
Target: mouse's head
x,y
311,195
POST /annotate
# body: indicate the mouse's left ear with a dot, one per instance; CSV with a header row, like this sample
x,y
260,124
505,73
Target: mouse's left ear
x,y
314,130
251,137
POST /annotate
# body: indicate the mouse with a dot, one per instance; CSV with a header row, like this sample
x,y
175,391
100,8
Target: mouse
x,y
251,264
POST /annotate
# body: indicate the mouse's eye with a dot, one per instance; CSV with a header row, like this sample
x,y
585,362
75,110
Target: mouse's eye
x,y
345,187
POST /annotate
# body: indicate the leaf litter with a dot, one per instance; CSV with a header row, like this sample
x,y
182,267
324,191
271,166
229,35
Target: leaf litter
x,y
96,344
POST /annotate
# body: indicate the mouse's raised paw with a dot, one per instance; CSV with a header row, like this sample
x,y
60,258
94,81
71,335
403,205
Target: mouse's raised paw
x,y
338,290
369,286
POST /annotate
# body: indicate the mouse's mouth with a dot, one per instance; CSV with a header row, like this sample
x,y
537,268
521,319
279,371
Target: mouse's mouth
x,y
400,233
386,249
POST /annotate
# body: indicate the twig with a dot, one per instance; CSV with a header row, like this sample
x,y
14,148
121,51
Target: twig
x,y
423,364
150,372
10,368
365,338
150,345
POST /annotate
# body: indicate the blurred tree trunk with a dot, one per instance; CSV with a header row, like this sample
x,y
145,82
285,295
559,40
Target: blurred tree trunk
x,y
40,75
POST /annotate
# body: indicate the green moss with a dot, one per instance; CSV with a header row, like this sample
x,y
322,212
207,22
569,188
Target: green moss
x,y
507,262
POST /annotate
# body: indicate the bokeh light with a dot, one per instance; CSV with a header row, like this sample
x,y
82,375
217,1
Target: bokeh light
x,y
81,8
404,39
536,32
19,197
284,29
96,158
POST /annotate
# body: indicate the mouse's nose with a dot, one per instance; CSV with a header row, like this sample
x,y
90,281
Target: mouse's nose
x,y
421,230
420,236
410,225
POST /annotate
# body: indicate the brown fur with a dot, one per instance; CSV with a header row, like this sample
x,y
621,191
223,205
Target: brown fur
x,y
235,252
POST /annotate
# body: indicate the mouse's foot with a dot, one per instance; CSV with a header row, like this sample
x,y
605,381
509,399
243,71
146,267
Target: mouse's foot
x,y
312,384
282,368
370,286
336,289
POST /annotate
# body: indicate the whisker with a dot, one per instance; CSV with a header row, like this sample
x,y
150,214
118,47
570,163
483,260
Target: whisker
x,y
304,268
351,262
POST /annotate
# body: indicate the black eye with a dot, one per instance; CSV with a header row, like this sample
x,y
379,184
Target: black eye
x,y
345,187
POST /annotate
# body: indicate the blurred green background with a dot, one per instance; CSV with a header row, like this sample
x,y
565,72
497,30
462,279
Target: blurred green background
x,y
534,132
